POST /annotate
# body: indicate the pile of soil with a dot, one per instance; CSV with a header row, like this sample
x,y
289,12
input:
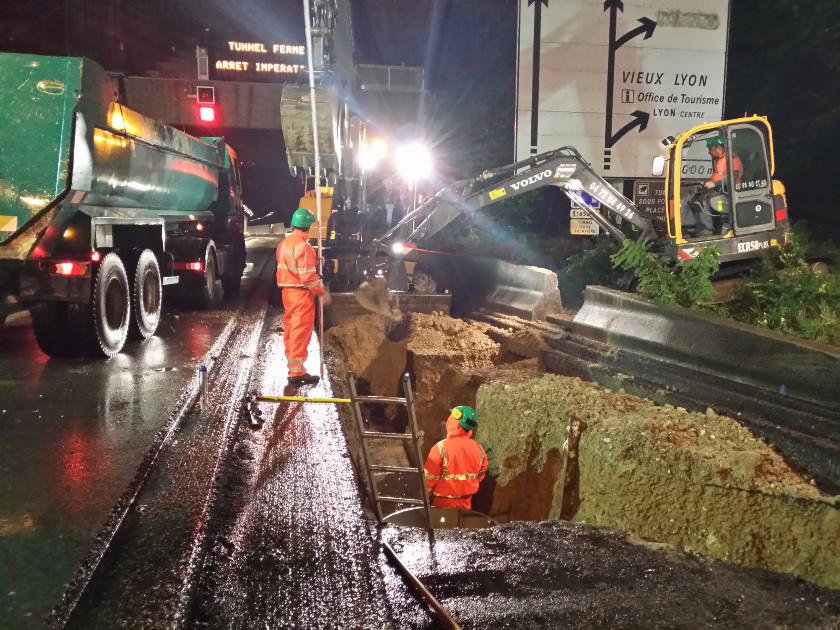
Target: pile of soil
x,y
447,359
561,447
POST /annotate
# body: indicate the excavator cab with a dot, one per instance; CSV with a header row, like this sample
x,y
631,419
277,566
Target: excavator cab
x,y
726,193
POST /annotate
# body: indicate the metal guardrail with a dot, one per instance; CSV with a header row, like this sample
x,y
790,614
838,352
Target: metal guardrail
x,y
715,345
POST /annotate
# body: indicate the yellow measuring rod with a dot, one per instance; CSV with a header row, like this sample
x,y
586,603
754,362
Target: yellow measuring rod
x,y
302,399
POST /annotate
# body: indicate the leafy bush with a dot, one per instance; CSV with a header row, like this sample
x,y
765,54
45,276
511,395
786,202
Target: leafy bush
x,y
688,283
783,293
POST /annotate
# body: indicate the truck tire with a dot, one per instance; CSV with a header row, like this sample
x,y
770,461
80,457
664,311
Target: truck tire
x,y
232,281
202,298
102,325
52,330
146,296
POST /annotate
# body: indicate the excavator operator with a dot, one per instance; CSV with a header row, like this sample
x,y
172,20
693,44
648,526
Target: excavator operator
x,y
297,275
704,212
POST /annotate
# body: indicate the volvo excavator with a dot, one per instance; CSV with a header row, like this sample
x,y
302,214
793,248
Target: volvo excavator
x,y
747,207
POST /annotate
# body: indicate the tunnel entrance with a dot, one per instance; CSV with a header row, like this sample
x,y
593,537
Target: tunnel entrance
x,y
560,448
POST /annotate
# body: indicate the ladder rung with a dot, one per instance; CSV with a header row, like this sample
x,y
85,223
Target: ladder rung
x,y
399,500
387,436
383,468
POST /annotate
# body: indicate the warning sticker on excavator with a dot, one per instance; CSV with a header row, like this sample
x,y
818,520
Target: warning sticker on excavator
x,y
499,192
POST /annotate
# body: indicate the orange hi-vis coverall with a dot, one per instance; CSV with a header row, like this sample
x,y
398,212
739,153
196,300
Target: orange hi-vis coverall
x,y
455,467
297,274
719,170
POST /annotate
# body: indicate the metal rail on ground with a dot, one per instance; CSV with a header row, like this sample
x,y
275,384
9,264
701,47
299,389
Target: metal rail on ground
x,y
412,437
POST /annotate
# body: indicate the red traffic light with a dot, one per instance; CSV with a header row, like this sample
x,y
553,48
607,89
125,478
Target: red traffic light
x,y
207,113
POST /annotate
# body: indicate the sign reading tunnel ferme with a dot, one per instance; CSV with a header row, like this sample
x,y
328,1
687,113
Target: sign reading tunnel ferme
x,y
613,78
257,61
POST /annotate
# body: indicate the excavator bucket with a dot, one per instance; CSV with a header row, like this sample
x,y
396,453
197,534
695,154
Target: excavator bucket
x,y
373,296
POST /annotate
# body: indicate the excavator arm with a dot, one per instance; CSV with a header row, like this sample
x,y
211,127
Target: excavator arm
x,y
563,167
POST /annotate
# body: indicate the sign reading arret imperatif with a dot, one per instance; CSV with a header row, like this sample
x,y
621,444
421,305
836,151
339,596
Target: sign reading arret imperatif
x,y
257,61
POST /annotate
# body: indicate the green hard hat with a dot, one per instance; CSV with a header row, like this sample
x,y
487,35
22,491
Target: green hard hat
x,y
714,142
466,417
302,218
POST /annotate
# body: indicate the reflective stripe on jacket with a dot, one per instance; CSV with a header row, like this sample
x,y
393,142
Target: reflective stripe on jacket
x,y
455,467
297,264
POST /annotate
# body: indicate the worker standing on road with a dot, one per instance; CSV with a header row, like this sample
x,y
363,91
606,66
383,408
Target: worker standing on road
x,y
456,465
297,276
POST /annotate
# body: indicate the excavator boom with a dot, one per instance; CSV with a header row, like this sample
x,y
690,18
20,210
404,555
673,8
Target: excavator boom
x,y
564,168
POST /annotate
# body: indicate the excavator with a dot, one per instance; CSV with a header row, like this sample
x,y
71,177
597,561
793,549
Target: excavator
x,y
746,208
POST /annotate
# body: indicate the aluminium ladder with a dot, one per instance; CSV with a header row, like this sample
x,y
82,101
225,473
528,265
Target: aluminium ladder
x,y
412,437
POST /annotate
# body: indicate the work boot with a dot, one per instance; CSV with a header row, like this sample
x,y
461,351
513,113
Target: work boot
x,y
304,379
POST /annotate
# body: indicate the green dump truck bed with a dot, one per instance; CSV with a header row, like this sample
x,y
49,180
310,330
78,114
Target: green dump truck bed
x,y
67,145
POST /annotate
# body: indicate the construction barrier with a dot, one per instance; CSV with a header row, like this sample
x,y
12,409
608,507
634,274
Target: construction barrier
x,y
715,345
528,292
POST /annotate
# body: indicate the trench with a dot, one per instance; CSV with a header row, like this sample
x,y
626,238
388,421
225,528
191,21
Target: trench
x,y
560,448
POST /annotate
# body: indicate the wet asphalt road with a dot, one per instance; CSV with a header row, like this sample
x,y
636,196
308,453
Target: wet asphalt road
x,y
72,435
291,546
288,544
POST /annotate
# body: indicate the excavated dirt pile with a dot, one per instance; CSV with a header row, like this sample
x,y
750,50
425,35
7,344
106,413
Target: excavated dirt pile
x,y
698,481
447,358
561,448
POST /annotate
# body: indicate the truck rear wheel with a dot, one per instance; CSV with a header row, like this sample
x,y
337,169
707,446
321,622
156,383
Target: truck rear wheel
x,y
102,324
232,281
206,286
146,297
52,330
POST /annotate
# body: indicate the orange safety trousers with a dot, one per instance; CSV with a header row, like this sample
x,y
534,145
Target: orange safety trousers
x,y
298,277
298,321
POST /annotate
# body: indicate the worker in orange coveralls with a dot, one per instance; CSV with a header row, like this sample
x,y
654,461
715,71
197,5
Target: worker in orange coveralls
x,y
456,465
297,275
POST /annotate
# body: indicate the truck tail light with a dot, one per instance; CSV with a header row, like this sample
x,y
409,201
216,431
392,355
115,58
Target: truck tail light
x,y
95,256
69,268
187,266
781,214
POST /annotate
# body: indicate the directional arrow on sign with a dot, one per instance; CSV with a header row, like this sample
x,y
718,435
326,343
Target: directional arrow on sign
x,y
535,82
647,28
640,118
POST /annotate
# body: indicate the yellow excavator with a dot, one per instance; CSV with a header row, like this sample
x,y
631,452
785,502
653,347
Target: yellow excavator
x,y
746,208
742,210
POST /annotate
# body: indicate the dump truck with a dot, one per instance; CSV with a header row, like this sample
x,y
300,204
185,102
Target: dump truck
x,y
102,207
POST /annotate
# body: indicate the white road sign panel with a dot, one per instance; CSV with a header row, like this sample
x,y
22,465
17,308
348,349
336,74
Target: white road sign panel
x,y
613,78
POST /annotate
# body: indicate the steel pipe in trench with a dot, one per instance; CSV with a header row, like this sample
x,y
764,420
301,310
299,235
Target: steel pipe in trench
x,y
440,612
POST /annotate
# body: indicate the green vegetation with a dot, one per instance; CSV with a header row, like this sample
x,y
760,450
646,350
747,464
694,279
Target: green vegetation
x,y
784,293
688,283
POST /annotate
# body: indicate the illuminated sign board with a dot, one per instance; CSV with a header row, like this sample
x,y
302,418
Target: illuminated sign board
x,y
257,61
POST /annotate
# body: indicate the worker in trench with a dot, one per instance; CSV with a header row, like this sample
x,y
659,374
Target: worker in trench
x,y
297,276
457,464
